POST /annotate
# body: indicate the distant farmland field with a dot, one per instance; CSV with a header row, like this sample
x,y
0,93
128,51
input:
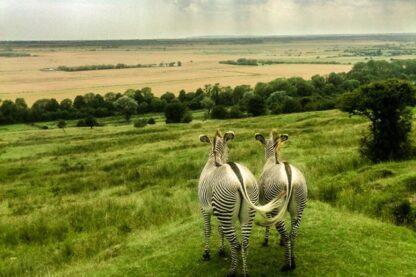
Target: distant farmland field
x,y
22,77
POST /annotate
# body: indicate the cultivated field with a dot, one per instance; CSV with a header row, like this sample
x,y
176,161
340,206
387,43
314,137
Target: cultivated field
x,y
21,76
116,200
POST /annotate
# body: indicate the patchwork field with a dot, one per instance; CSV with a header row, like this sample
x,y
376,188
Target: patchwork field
x,y
21,76
117,200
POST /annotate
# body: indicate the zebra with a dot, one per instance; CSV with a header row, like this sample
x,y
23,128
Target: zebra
x,y
282,179
230,192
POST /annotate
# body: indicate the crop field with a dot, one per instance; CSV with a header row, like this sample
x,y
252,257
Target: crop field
x,y
22,76
122,201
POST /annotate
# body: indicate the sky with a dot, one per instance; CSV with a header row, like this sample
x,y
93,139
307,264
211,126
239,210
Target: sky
x,y
145,19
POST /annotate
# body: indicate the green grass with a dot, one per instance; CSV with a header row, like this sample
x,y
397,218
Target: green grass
x,y
119,200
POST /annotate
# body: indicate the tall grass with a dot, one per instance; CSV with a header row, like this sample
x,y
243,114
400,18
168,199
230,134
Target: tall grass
x,y
68,198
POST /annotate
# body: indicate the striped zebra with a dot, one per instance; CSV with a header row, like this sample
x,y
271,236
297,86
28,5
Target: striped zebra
x,y
277,179
230,192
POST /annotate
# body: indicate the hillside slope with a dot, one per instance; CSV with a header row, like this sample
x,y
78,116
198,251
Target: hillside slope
x,y
330,243
118,199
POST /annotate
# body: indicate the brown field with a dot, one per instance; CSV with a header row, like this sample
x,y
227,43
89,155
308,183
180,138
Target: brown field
x,y
21,77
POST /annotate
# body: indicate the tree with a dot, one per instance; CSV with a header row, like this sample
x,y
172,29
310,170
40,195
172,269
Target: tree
x,y
207,103
79,102
168,97
126,106
385,104
256,105
177,112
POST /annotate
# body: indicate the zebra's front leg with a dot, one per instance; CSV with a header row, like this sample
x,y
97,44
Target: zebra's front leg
x,y
221,251
207,233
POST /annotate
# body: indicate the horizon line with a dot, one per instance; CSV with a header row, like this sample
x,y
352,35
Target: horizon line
x,y
202,37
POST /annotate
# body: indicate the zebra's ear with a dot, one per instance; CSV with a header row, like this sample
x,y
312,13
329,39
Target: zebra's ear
x,y
260,138
284,137
204,139
228,136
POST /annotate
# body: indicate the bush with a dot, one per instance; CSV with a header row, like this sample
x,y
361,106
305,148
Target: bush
x,y
235,112
61,124
151,121
177,112
90,121
219,112
385,104
140,123
256,105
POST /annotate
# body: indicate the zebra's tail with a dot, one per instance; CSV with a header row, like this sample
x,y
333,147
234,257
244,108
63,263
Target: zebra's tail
x,y
262,209
284,203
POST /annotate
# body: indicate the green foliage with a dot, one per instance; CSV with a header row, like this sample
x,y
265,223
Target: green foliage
x,y
61,124
219,112
126,106
89,121
256,106
151,121
385,105
176,112
140,123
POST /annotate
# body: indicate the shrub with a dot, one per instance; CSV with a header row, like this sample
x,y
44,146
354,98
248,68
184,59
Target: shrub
x,y
235,112
219,112
385,104
90,121
256,105
61,124
151,121
140,123
177,112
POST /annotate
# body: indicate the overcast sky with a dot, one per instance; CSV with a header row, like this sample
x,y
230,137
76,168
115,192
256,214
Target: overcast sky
x,y
132,19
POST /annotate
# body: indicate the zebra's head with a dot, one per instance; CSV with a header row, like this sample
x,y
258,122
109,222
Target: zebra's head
x,y
219,149
273,144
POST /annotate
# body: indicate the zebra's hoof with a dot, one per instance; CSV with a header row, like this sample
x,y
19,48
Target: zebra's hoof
x,y
221,252
286,268
265,243
206,256
293,264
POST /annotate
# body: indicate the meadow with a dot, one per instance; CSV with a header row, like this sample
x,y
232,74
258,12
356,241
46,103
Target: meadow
x,y
24,77
118,200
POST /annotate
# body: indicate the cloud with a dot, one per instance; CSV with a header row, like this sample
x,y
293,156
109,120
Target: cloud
x,y
114,19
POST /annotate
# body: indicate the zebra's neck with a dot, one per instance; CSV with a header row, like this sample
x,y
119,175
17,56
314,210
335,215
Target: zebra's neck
x,y
271,161
213,161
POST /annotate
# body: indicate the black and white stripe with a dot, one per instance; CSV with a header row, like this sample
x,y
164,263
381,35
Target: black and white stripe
x,y
279,178
230,191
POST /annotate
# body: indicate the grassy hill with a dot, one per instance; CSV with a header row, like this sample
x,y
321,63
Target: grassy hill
x,y
123,201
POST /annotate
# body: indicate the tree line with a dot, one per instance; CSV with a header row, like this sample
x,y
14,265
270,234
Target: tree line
x,y
116,66
282,95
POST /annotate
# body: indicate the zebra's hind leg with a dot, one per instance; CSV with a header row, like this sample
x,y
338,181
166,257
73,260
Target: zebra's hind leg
x,y
296,211
207,233
229,233
266,236
293,233
221,251
281,229
246,232
280,226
